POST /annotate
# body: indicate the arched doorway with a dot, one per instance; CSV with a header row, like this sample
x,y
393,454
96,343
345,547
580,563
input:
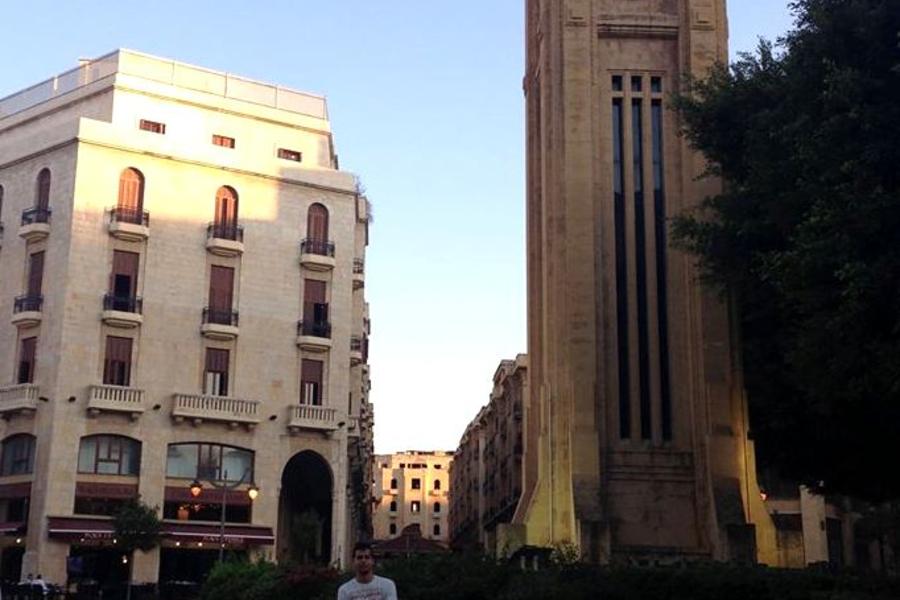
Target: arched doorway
x,y
304,524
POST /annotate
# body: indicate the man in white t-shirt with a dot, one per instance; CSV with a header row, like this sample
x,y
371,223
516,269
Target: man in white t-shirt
x,y
366,585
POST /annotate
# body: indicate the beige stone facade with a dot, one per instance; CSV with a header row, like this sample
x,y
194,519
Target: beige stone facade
x,y
635,445
412,488
486,474
242,217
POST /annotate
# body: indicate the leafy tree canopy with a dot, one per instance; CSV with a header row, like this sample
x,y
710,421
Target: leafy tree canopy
x,y
137,526
806,238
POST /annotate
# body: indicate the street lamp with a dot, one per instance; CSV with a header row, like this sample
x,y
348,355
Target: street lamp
x,y
225,486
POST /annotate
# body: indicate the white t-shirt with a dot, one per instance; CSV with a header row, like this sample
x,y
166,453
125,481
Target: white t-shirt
x,y
380,588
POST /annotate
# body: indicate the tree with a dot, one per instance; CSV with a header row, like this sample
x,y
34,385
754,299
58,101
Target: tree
x,y
806,238
137,527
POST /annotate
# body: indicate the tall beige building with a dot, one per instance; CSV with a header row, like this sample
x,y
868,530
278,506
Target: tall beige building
x,y
412,488
636,439
182,280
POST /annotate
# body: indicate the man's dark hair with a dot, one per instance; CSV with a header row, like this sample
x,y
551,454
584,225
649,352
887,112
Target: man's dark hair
x,y
361,547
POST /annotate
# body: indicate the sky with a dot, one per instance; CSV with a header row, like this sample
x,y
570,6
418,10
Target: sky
x,y
426,105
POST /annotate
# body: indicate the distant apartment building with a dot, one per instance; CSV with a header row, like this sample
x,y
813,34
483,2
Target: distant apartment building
x,y
182,300
486,475
412,488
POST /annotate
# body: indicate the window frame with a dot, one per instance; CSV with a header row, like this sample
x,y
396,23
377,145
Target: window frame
x,y
213,454
114,454
9,445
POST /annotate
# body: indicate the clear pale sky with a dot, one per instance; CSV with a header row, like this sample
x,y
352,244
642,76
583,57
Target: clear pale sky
x,y
426,105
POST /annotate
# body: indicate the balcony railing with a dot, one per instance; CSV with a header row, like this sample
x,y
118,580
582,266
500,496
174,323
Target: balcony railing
x,y
14,398
359,266
28,303
129,304
320,329
306,416
215,408
356,344
116,398
125,214
320,247
218,316
225,231
33,215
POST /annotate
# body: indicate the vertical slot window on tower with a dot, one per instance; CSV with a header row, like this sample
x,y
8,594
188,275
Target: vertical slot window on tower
x,y
640,265
656,85
662,315
617,83
621,269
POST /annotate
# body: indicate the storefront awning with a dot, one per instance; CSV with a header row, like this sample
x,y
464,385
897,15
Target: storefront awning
x,y
239,535
75,529
86,529
12,527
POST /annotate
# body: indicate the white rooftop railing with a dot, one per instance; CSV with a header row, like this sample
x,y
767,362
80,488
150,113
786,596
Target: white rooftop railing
x,y
169,72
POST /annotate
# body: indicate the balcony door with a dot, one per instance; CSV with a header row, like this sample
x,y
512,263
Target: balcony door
x,y
130,205
123,282
35,274
117,364
221,294
311,372
315,308
42,201
226,217
215,380
317,223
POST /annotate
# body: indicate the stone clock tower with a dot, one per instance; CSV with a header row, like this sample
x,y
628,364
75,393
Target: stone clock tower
x,y
636,442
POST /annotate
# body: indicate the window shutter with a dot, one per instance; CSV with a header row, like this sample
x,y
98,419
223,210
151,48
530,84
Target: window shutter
x,y
226,208
35,274
217,360
131,190
125,274
317,223
313,296
27,360
221,288
43,189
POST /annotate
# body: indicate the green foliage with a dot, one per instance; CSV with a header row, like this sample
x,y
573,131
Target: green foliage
x,y
137,527
804,238
242,580
457,577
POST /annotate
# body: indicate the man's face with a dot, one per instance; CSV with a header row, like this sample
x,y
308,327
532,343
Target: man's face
x,y
363,562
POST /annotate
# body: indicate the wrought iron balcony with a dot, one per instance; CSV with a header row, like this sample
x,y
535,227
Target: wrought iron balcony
x,y
218,316
125,214
320,329
359,266
129,304
314,336
320,247
31,216
225,239
225,231
219,324
28,303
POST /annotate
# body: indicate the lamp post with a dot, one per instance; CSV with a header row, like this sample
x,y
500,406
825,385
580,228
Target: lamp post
x,y
224,485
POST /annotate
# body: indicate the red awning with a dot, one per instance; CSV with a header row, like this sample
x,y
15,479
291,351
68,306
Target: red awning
x,y
210,495
12,527
245,535
80,529
76,528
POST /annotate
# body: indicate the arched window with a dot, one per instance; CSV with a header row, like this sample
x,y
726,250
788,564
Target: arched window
x,y
437,484
393,506
109,455
226,217
393,529
437,529
317,224
18,455
130,206
199,460
42,201
393,484
437,507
